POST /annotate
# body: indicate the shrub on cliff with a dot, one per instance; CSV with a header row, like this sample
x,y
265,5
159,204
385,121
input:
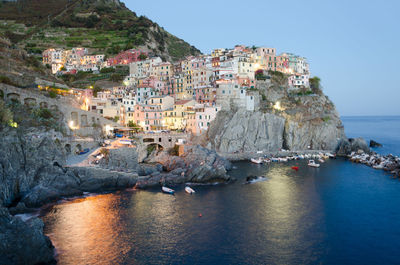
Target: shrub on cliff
x,y
5,114
174,151
315,85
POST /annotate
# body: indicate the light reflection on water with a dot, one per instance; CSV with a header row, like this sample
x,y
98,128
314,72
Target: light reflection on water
x,y
292,218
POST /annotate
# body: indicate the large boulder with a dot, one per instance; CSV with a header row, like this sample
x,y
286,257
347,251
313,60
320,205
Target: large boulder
x,y
197,164
372,143
346,146
122,159
23,242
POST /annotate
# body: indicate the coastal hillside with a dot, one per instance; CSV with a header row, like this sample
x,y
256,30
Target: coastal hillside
x,y
18,68
102,25
291,120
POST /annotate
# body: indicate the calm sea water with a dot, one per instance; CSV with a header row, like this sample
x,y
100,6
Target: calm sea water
x,y
383,129
341,213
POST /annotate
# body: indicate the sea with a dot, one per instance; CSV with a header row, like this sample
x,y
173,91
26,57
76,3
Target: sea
x,y
340,213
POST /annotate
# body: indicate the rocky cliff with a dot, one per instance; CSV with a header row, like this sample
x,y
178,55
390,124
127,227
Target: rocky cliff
x,y
285,120
197,165
33,172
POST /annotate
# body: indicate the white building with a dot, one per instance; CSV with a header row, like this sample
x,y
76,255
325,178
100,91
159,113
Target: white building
x,y
142,93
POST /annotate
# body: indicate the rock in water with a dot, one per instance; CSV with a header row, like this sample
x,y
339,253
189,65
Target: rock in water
x,y
372,143
346,146
23,243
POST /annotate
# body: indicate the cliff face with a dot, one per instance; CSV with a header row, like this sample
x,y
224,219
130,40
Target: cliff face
x,y
299,122
246,131
32,173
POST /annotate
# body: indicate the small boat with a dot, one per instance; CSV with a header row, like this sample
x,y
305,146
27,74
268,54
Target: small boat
x,y
256,161
321,160
189,190
311,163
167,190
267,160
274,159
282,159
295,168
84,151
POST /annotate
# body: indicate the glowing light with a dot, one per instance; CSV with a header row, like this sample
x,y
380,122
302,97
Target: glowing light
x,y
71,124
277,105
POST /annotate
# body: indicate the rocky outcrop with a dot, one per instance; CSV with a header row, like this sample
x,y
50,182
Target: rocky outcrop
x,y
23,242
121,159
99,179
33,172
301,122
197,165
347,146
372,143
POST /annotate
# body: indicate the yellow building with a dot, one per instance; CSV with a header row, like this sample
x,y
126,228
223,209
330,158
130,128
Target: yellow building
x,y
175,118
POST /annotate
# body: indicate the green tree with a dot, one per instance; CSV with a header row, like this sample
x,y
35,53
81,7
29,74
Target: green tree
x,y
116,77
132,124
315,85
52,94
96,89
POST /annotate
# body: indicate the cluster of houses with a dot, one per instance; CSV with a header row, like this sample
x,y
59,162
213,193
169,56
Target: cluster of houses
x,y
159,95
78,59
71,61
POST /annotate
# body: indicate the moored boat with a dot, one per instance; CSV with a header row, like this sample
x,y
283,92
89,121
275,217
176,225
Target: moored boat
x,y
189,190
311,163
256,161
267,160
167,190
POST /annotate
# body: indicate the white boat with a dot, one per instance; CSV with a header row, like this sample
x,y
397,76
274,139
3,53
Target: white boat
x,y
256,161
283,159
189,190
274,159
321,160
311,163
267,160
167,190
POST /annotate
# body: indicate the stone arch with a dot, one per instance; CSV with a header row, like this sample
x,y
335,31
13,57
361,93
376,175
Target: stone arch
x,y
68,148
14,97
154,146
44,105
148,140
84,120
30,102
78,148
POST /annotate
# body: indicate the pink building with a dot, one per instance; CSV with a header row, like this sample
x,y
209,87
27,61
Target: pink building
x,y
126,57
199,118
149,117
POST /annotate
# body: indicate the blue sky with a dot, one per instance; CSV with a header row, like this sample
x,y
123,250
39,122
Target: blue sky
x,y
353,46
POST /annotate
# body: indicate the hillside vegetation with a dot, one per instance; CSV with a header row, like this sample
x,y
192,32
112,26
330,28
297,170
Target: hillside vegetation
x,y
103,25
